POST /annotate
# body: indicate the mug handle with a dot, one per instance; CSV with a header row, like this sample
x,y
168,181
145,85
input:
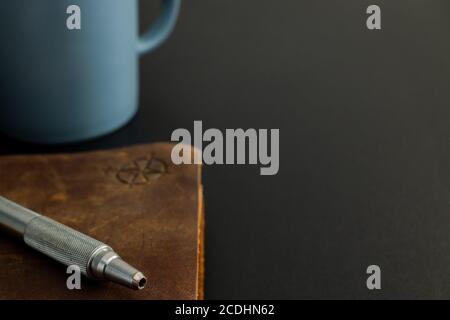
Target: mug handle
x,y
161,28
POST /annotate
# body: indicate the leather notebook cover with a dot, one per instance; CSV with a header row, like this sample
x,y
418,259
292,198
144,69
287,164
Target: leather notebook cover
x,y
133,199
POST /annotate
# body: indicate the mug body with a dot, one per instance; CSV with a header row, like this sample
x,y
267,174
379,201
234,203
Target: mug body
x,y
59,85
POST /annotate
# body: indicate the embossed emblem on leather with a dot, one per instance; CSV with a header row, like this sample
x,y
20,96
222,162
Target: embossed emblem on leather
x,y
141,171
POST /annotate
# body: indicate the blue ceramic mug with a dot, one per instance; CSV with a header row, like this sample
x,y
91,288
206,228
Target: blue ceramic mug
x,y
61,84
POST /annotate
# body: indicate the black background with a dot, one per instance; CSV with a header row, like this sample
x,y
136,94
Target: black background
x,y
364,152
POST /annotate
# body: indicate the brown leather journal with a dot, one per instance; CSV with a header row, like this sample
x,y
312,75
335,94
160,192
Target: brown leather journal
x,y
133,199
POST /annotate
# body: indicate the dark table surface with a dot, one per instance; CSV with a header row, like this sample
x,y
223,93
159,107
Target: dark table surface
x,y
365,142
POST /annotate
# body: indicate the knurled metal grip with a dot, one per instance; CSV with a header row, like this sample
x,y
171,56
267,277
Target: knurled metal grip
x,y
62,243
95,259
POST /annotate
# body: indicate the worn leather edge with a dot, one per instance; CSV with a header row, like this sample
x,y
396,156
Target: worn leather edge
x,y
200,237
201,247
